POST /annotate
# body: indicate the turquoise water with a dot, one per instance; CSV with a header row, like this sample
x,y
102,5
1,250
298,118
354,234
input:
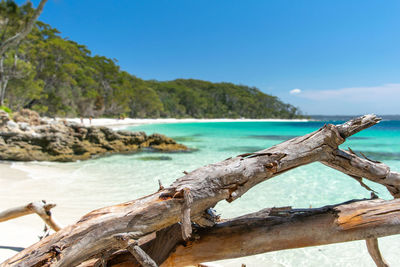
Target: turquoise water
x,y
314,184
118,178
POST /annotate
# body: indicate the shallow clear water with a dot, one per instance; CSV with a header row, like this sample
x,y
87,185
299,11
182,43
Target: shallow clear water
x,y
82,186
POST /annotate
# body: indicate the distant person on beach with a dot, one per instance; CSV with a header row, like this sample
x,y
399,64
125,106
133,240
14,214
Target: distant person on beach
x,y
81,120
90,120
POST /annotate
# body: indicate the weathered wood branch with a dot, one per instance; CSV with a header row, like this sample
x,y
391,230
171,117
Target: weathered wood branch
x,y
373,250
266,231
93,234
41,208
186,222
359,168
14,40
274,229
351,164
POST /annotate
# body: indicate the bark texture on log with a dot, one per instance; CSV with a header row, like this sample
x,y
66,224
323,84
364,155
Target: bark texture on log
x,y
194,193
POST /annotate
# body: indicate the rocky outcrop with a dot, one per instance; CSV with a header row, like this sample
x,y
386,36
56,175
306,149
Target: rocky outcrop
x,y
29,116
35,139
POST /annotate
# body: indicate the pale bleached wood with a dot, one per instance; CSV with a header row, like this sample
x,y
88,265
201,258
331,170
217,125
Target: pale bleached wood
x,y
16,212
351,164
228,180
41,208
186,221
373,250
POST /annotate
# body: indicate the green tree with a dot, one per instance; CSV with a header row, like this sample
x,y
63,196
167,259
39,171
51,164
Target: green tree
x,y
145,103
16,23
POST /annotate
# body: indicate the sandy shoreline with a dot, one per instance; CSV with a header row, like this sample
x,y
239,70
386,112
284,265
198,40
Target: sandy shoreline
x,y
130,121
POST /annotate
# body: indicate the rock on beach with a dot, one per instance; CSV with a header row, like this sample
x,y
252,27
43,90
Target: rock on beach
x,y
27,137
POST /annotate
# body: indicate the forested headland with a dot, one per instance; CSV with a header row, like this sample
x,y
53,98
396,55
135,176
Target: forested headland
x,y
59,77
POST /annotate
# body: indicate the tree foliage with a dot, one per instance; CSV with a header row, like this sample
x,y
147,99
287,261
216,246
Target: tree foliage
x,y
59,77
16,22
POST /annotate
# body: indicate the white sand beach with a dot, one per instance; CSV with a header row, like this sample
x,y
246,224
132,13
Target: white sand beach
x,y
17,188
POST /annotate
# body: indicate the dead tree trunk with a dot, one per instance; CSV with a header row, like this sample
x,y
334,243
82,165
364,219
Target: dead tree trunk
x,y
190,197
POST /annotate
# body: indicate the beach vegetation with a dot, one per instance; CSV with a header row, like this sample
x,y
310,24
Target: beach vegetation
x,y
6,109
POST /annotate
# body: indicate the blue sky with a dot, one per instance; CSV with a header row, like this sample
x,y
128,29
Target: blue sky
x,y
343,56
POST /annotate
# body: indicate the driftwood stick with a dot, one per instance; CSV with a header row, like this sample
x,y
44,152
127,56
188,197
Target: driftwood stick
x,y
46,232
186,222
353,165
373,250
356,125
16,212
41,208
226,180
360,181
132,246
160,186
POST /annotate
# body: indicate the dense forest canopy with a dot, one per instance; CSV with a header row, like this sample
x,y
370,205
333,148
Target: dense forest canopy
x,y
59,77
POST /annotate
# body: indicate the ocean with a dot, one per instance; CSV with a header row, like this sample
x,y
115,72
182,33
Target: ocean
x,y
80,187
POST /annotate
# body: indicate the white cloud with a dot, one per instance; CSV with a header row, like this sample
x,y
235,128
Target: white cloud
x,y
382,99
384,92
295,91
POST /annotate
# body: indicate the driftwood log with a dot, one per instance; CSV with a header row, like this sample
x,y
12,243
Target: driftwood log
x,y
176,225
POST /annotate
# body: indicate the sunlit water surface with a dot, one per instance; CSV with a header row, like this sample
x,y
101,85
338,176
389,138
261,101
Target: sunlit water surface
x,y
80,187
